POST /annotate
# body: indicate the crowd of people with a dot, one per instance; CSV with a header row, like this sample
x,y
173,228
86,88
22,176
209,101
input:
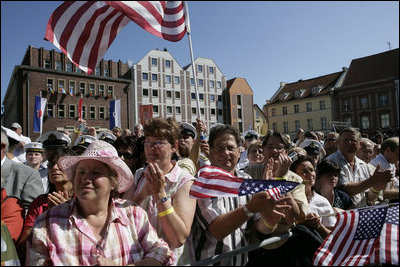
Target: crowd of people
x,y
122,197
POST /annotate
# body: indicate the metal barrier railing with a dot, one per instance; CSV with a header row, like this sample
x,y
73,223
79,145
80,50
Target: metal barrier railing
x,y
247,248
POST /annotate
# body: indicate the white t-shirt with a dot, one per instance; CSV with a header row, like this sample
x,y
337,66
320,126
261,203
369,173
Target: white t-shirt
x,y
321,206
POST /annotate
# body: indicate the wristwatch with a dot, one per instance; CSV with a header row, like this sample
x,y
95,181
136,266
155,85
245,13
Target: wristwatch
x,y
162,200
249,214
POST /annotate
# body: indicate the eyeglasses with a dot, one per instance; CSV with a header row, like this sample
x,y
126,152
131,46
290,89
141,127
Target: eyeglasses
x,y
277,147
220,149
331,140
157,144
126,155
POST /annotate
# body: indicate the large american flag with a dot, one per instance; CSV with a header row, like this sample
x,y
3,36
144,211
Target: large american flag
x,y
215,182
361,237
84,30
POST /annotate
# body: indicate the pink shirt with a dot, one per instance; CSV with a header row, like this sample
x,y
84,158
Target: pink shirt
x,y
61,236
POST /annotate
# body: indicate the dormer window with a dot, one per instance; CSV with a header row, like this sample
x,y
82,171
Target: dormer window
x,y
317,89
283,96
299,93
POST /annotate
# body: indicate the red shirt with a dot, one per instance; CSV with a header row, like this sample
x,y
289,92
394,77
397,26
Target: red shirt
x,y
12,214
38,206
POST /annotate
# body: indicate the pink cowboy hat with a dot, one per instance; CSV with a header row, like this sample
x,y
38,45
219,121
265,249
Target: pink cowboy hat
x,y
104,152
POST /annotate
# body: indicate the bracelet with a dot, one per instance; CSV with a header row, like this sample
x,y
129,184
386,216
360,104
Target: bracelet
x,y
374,190
280,178
166,212
271,227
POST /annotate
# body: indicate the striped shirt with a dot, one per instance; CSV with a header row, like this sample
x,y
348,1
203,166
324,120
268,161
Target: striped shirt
x,y
347,175
61,236
207,210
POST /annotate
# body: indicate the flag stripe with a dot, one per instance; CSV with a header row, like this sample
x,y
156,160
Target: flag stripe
x,y
84,30
217,187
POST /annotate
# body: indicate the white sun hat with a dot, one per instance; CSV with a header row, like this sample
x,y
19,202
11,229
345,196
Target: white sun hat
x,y
104,152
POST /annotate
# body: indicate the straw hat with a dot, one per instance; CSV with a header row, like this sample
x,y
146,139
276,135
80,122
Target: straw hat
x,y
104,152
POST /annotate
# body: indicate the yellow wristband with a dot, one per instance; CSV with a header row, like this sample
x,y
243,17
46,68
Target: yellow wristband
x,y
271,227
374,190
166,212
280,178
77,131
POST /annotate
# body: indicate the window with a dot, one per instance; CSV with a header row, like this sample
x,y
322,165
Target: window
x,y
145,76
323,123
213,111
46,64
178,110
92,89
92,113
72,111
191,81
194,111
322,105
106,73
167,79
220,112
61,87
274,127
212,98
240,126
169,109
212,84
50,85
84,112
284,110
50,110
177,79
364,122
155,92
97,71
239,100
273,112
101,89
102,113
61,111
383,100
285,127
82,88
153,61
317,89
239,110
145,92
219,98
69,67
154,77
155,109
296,108
72,88
58,65
110,91
177,95
309,124
346,105
200,82
168,63
168,94
201,97
202,111
199,68
364,103
211,70
219,85
308,106
385,120
297,124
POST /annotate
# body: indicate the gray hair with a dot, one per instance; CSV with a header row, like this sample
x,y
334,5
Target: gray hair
x,y
367,141
4,140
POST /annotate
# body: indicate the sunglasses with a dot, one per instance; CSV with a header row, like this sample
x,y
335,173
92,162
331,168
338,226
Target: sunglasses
x,y
126,155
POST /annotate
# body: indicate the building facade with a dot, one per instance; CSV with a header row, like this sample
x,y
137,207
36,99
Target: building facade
x,y
305,104
238,101
156,83
369,96
260,121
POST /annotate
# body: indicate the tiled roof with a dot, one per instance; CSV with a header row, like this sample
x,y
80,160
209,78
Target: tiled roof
x,y
325,82
373,68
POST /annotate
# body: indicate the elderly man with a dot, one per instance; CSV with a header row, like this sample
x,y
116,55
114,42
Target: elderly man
x,y
220,223
21,181
356,178
138,130
330,144
35,159
366,150
19,152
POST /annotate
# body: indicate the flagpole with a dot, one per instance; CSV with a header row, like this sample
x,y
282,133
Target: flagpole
x,y
187,22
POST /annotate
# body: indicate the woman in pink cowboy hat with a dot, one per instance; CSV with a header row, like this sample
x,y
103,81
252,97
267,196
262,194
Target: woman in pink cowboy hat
x,y
96,227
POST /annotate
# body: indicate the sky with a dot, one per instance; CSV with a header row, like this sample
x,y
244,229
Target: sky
x,y
265,42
